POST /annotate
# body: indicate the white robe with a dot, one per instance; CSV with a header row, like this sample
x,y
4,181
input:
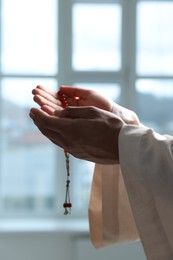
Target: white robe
x,y
136,197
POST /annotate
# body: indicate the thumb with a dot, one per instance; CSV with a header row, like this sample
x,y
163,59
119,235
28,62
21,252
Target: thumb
x,y
77,112
71,91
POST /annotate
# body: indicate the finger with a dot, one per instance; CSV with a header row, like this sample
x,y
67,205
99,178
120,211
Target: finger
x,y
48,109
45,121
54,103
53,136
42,89
77,112
58,138
42,96
47,94
39,116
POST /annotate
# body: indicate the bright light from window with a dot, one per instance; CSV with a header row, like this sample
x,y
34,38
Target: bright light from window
x,y
155,37
29,36
96,37
154,103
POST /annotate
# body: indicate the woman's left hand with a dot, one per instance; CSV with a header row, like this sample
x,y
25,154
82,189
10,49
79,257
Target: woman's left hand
x,y
88,133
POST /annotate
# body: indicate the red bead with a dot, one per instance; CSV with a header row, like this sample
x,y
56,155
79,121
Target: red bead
x,y
63,99
60,93
67,205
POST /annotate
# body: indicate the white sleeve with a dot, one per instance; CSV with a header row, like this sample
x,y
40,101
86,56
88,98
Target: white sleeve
x,y
143,185
146,160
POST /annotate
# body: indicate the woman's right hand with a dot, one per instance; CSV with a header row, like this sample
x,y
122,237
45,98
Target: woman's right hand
x,y
76,96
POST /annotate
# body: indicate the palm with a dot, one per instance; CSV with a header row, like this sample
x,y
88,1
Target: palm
x,y
49,101
91,98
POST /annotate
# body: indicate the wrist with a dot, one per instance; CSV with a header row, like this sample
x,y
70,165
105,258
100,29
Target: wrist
x,y
128,116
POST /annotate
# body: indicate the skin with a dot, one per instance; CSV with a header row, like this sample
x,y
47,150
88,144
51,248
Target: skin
x,y
88,129
49,102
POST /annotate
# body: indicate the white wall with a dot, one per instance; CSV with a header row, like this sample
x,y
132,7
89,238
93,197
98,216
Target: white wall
x,y
58,246
35,246
85,251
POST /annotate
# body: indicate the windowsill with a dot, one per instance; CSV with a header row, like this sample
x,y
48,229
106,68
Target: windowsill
x,y
60,226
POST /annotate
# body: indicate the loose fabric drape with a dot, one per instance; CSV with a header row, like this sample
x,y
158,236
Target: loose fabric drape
x,y
134,200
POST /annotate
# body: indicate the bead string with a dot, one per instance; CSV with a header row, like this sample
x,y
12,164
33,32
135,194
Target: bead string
x,y
67,204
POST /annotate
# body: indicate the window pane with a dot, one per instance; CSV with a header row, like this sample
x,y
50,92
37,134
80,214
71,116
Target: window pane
x,y
29,36
96,37
155,37
27,158
155,98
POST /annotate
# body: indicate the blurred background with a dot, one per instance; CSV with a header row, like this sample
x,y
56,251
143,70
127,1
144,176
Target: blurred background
x,y
121,48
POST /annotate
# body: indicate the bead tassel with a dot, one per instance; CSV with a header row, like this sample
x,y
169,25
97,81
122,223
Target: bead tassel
x,y
67,204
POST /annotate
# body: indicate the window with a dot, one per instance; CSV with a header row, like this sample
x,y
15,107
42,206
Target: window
x,y
28,56
96,42
107,45
154,83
